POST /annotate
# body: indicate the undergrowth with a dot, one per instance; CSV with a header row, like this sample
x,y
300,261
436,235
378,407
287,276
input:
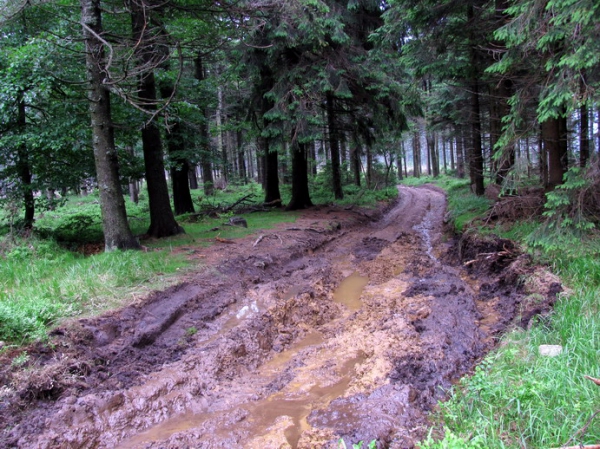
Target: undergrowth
x,y
517,398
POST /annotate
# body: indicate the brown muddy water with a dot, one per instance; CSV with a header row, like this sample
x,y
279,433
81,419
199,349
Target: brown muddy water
x,y
350,326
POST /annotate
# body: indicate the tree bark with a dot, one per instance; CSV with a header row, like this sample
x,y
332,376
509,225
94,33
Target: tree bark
x,y
555,145
334,146
180,169
117,234
300,193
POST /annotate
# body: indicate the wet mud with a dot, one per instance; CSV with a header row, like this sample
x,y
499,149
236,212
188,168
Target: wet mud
x,y
345,325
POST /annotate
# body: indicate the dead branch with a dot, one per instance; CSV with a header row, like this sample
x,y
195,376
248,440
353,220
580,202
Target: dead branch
x,y
589,446
258,240
240,201
582,432
596,381
487,256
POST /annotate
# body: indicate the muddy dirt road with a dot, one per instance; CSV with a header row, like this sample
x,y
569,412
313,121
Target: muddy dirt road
x,y
346,324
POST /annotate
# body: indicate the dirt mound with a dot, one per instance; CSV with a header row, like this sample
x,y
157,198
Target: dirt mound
x,y
347,325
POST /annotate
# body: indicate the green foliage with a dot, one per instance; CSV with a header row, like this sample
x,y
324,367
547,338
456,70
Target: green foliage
x,y
451,441
567,220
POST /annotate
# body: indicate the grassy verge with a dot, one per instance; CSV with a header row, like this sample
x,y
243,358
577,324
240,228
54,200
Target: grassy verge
x,y
517,398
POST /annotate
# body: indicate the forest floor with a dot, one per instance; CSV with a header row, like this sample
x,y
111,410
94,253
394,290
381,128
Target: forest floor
x,y
348,324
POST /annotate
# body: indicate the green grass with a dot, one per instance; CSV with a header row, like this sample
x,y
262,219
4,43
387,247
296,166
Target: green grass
x,y
519,399
42,283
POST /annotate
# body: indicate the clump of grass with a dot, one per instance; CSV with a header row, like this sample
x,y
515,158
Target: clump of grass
x,y
42,283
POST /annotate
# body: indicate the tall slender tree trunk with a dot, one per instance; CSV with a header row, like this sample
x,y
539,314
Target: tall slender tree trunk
x,y
460,153
180,167
476,153
24,168
300,193
355,159
399,158
162,219
476,150
205,150
584,137
416,155
243,174
452,163
334,146
180,170
221,147
117,234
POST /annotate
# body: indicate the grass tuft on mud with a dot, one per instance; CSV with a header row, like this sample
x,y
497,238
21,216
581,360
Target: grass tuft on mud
x,y
516,397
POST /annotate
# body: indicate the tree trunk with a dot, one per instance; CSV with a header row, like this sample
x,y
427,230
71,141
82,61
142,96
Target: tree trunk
x,y
24,169
241,158
300,193
162,220
460,153
555,145
271,161
416,155
334,146
180,169
180,166
355,161
476,153
584,138
452,164
193,177
506,161
221,147
117,234
205,152
399,158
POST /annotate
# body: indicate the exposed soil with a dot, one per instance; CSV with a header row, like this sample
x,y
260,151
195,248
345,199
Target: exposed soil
x,y
347,324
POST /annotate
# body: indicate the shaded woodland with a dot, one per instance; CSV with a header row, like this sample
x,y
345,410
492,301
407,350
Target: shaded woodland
x,y
179,98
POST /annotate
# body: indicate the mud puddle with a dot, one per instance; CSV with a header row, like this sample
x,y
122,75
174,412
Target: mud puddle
x,y
344,326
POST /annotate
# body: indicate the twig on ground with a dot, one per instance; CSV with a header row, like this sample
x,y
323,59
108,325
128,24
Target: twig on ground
x,y
582,432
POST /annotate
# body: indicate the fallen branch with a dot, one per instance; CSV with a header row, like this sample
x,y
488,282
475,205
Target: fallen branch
x,y
261,237
258,240
241,200
589,446
582,431
596,381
